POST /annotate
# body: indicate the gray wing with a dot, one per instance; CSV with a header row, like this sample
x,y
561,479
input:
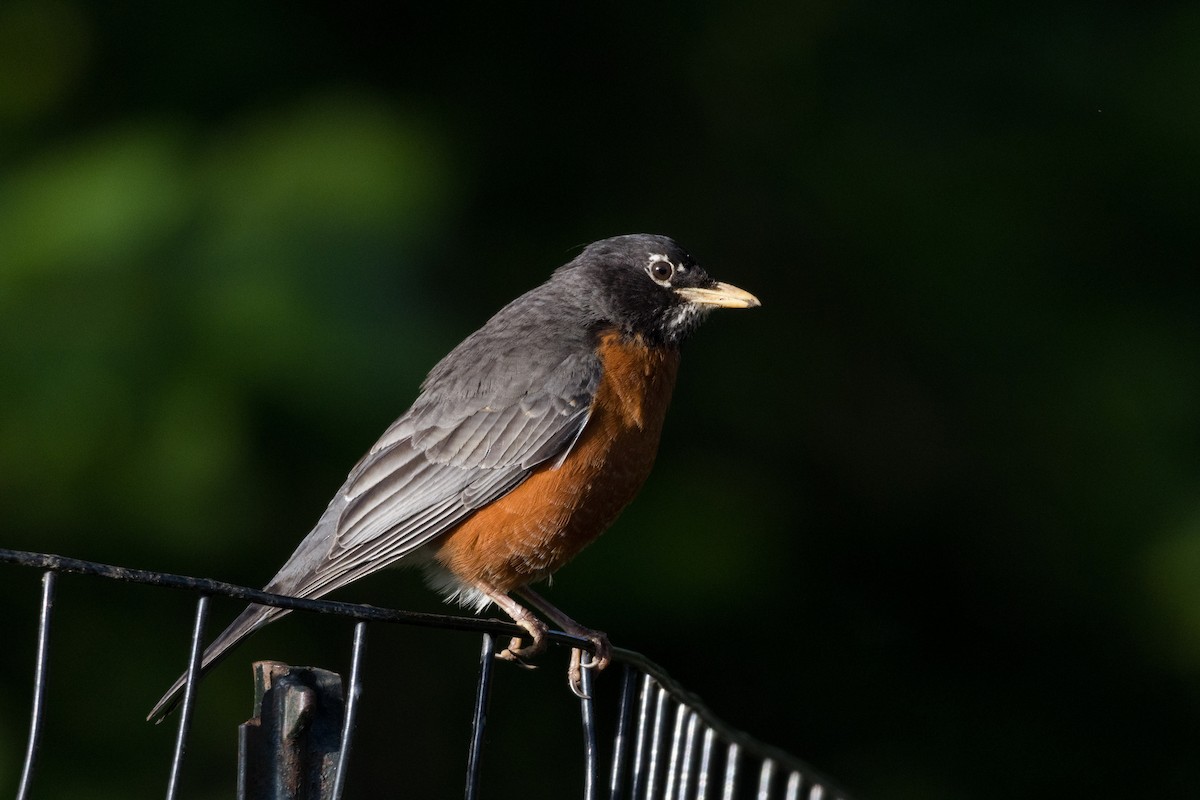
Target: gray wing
x,y
446,457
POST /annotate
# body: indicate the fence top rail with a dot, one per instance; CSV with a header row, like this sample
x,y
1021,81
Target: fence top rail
x,y
56,563
369,613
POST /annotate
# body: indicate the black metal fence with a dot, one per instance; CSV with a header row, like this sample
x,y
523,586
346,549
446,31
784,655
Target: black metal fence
x,y
667,744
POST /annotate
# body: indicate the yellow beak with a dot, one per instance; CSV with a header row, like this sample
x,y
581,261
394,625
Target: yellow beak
x,y
723,295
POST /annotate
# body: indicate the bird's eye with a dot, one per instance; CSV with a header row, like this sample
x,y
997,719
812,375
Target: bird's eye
x,y
661,270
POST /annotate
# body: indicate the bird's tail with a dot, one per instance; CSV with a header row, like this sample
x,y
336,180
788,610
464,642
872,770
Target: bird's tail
x,y
250,620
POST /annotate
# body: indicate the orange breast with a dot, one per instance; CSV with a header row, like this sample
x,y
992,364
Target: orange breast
x,y
539,526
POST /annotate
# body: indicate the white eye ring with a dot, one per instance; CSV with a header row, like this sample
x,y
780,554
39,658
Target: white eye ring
x,y
660,269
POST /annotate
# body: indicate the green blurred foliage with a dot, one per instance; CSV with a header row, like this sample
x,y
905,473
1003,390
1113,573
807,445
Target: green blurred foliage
x,y
927,519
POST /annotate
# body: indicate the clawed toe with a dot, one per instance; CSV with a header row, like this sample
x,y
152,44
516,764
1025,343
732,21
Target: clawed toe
x,y
519,653
598,659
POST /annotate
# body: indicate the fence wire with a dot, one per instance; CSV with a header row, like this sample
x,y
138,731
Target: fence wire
x,y
668,745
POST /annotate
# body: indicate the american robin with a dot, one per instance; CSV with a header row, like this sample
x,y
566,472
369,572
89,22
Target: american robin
x,y
525,443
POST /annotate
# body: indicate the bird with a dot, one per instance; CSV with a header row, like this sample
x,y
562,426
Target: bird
x,y
524,444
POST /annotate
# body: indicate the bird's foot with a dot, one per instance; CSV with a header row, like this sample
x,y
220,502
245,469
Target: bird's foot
x,y
601,653
517,651
598,659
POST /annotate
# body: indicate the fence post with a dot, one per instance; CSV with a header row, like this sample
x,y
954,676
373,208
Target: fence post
x,y
289,750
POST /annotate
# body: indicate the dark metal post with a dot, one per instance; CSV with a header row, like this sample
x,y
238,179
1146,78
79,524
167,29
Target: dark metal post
x,y
195,654
354,695
483,691
621,742
289,750
39,685
591,766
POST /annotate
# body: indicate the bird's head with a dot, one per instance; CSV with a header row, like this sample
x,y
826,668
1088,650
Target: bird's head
x,y
649,286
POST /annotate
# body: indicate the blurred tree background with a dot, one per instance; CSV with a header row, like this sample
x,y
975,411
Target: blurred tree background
x,y
929,519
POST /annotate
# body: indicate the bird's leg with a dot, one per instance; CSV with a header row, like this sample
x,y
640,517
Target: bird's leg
x,y
526,619
599,658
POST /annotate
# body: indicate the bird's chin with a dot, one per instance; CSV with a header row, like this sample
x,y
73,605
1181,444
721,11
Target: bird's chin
x,y
685,318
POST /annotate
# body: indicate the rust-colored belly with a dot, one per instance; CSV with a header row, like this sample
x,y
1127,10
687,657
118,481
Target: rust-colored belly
x,y
543,523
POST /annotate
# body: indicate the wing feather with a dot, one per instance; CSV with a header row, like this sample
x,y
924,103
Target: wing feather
x,y
445,458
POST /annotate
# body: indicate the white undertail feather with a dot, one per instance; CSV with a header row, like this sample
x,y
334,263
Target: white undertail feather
x,y
454,590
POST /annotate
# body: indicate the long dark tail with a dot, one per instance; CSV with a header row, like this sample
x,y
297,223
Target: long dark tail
x,y
250,620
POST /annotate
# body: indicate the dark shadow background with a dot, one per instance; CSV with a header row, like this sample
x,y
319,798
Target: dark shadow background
x,y
929,519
